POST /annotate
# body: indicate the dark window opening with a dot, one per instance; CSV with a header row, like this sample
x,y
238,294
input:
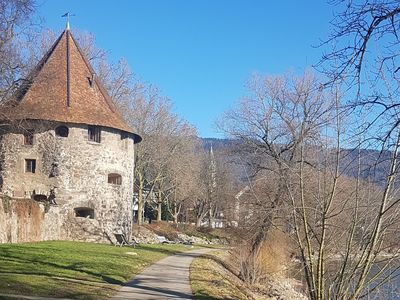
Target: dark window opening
x,y
84,212
54,171
62,131
90,81
40,197
28,137
94,134
114,179
30,165
124,135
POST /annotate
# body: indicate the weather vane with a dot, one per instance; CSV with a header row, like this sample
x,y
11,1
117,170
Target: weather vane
x,y
67,15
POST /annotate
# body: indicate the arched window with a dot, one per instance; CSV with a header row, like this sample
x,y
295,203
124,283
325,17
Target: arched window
x,y
62,131
114,178
84,212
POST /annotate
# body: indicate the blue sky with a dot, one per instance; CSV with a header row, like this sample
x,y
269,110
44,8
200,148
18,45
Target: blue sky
x,y
200,53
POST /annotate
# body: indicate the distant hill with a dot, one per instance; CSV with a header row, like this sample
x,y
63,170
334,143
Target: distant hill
x,y
373,164
216,143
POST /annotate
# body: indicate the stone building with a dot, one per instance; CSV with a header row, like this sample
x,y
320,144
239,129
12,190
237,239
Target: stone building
x,y
66,155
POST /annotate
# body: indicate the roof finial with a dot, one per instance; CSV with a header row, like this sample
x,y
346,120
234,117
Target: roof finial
x,y
67,15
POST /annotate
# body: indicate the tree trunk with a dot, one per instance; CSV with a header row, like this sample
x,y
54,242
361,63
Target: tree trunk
x,y
260,236
159,210
210,218
140,203
199,218
159,206
201,212
175,215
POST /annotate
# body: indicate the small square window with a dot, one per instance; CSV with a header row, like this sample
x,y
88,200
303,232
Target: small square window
x,y
114,179
94,134
28,137
30,165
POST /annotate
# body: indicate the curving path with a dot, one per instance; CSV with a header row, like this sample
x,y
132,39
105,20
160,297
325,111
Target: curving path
x,y
166,279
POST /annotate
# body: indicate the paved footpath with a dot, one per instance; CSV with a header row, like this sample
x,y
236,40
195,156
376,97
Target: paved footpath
x,y
166,279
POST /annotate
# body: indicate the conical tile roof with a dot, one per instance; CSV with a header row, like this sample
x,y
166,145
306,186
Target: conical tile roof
x,y
63,87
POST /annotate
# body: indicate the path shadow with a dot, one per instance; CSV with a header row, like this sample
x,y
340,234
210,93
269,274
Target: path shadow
x,y
152,291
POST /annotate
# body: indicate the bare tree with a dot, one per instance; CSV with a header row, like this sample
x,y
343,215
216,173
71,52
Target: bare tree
x,y
172,170
273,122
358,26
365,59
164,134
182,174
362,56
293,131
16,30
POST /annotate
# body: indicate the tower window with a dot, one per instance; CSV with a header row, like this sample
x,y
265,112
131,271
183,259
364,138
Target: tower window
x,y
94,134
62,131
114,178
28,137
84,212
30,165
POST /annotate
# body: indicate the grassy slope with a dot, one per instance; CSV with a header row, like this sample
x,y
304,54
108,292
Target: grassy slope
x,y
73,269
210,280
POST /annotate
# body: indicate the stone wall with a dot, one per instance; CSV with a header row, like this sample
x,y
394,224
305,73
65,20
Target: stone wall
x,y
25,220
77,170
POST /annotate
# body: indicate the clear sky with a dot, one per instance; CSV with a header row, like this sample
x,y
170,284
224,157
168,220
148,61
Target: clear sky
x,y
200,53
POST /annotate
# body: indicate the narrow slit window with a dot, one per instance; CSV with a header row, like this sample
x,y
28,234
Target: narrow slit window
x,y
28,137
94,134
114,178
30,165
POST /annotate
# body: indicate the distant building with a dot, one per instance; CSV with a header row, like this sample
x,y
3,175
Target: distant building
x,y
66,154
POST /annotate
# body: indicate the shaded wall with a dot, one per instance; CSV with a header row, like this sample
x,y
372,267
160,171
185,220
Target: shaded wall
x,y
25,220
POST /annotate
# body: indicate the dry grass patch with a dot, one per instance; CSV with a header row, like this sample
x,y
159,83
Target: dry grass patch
x,y
274,256
210,279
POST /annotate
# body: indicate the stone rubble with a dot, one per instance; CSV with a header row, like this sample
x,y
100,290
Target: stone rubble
x,y
146,236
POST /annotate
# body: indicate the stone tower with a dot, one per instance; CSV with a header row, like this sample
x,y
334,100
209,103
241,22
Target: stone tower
x,y
66,155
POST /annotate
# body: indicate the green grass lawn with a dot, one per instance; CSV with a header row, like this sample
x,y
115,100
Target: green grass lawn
x,y
72,269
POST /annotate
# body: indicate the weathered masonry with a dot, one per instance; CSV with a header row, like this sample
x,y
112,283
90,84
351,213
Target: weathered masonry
x,y
66,155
